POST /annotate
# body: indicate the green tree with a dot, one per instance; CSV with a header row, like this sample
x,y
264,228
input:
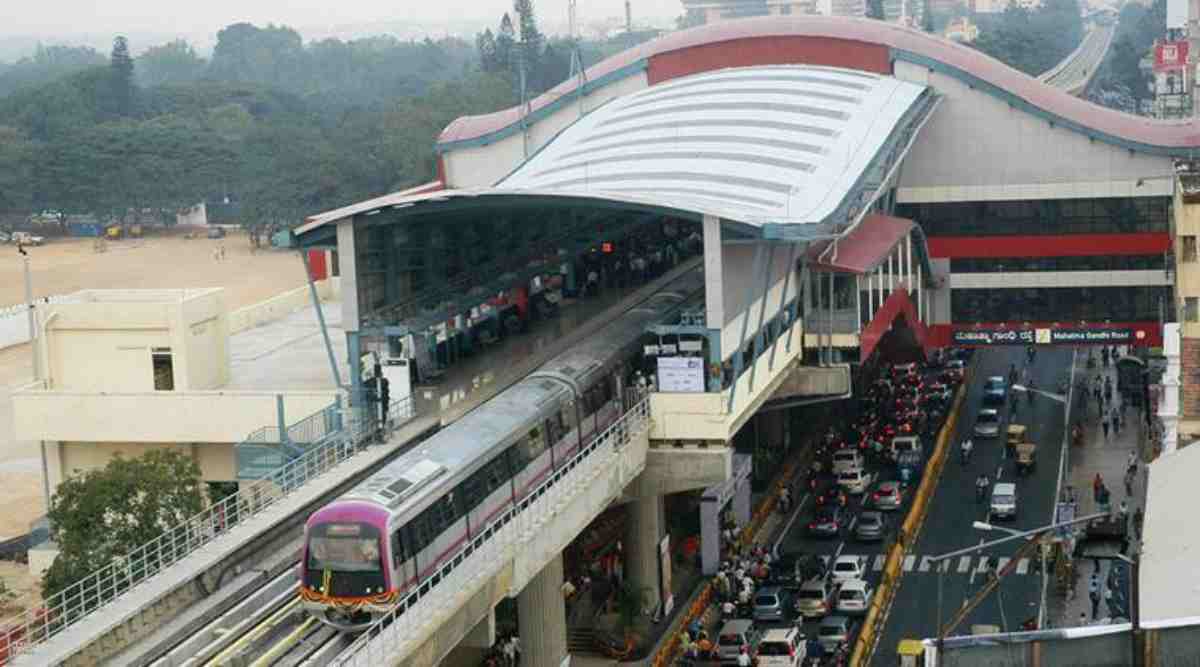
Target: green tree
x,y
531,37
173,62
506,45
47,64
272,55
16,173
122,77
485,44
927,17
105,514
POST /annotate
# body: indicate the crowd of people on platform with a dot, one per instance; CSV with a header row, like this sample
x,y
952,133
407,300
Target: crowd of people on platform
x,y
641,257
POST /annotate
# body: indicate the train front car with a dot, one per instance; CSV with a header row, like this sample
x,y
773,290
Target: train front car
x,y
345,578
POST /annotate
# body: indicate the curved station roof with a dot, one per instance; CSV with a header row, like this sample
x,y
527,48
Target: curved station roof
x,y
758,145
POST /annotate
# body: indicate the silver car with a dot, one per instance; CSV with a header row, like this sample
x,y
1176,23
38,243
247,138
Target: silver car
x,y
833,631
987,425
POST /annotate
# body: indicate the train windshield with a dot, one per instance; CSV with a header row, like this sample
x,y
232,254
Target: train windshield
x,y
344,547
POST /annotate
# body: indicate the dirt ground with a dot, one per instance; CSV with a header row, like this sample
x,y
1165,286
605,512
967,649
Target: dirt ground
x,y
67,265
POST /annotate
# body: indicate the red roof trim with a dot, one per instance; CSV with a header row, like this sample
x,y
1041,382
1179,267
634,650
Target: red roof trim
x,y
863,248
1047,98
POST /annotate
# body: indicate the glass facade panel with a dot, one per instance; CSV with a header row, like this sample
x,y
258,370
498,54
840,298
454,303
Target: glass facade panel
x,y
1060,304
1098,263
1104,215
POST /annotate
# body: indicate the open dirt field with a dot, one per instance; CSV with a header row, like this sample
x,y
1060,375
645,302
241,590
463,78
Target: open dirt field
x,y
67,265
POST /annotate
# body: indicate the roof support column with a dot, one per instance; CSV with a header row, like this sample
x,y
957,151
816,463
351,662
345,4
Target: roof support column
x,y
920,296
348,259
714,294
891,264
870,296
857,304
908,255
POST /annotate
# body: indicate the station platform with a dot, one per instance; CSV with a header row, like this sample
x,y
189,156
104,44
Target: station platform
x,y
464,386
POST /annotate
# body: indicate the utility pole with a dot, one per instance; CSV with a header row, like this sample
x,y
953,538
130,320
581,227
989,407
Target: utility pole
x,y
33,342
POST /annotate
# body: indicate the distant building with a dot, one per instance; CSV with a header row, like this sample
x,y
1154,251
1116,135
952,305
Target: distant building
x,y
713,11
961,30
904,12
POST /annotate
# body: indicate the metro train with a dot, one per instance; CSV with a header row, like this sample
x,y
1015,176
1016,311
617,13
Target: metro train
x,y
364,552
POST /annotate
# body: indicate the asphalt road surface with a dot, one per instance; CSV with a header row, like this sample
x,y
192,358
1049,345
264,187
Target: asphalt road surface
x,y
953,509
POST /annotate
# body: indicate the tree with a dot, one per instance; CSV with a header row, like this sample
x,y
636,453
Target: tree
x,y
875,9
122,77
506,45
272,55
173,62
927,16
485,44
16,173
47,64
105,514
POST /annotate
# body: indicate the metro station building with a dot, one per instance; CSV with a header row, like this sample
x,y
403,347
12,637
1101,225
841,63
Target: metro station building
x,y
852,180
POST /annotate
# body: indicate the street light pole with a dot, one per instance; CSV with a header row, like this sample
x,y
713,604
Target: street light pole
x,y
33,342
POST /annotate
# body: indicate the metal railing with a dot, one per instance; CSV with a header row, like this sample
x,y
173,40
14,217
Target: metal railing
x,y
64,609
484,555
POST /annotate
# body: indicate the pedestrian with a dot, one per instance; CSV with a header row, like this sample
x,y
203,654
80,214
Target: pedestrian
x,y
1123,511
1116,421
1097,482
1138,517
1083,618
1095,597
1109,605
1104,425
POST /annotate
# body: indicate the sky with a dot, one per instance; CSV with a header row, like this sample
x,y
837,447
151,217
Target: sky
x,y
51,17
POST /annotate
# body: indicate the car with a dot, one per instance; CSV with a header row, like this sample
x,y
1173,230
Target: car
x,y
906,443
855,481
854,597
994,391
734,636
955,369
781,648
771,604
831,495
1004,501
833,631
847,459
827,522
869,527
794,568
846,568
987,424
815,598
888,496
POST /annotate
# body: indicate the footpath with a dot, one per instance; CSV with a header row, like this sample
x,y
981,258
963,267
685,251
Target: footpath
x,y
1106,454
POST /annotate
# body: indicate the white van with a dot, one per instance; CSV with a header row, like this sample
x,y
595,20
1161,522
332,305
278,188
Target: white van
x,y
846,459
907,443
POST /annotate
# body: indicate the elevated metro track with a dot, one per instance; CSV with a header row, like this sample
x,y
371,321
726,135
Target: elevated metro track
x,y
1076,72
150,619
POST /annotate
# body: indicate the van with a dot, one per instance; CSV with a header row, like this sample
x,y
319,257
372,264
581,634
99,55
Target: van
x,y
733,636
854,481
907,443
847,459
1004,501
782,648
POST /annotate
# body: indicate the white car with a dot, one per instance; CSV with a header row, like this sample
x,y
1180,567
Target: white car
x,y
854,597
781,648
854,481
988,424
847,458
848,568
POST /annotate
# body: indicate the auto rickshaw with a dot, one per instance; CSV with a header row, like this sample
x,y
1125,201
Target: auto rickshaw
x,y
911,652
1016,436
1026,457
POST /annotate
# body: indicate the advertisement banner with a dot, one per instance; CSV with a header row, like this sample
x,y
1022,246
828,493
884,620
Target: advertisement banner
x,y
1170,56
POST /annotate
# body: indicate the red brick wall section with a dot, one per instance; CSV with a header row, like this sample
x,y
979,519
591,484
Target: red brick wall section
x,y
1189,377
780,50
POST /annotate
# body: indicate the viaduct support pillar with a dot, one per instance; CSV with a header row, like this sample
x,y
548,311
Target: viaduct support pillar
x,y
643,532
542,616
741,504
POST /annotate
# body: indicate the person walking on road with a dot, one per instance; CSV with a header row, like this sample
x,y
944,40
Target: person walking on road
x,y
1115,417
1104,425
1094,596
1138,517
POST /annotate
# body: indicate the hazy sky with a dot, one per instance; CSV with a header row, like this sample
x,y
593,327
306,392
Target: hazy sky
x,y
90,16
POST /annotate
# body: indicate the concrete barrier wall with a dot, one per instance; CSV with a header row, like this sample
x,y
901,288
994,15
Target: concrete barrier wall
x,y
281,306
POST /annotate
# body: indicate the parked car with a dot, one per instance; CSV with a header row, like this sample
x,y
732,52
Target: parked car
x,y
994,391
869,527
827,522
854,481
846,568
733,637
1004,501
771,604
887,496
847,459
815,598
782,648
833,631
987,424
854,597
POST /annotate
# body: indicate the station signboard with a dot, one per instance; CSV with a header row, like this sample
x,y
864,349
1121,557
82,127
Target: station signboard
x,y
1044,336
1170,56
681,375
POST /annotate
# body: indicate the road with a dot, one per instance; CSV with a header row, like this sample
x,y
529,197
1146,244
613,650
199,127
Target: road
x,y
948,526
1086,60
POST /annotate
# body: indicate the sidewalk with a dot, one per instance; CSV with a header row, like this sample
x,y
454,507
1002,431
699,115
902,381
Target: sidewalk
x,y
1107,456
